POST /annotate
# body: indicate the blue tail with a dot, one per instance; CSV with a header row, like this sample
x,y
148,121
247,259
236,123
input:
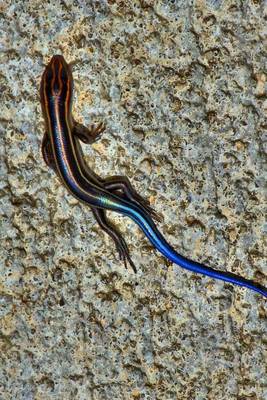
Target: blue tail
x,y
147,225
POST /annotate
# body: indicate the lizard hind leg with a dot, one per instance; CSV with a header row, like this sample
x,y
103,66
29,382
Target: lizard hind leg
x,y
115,184
120,243
122,183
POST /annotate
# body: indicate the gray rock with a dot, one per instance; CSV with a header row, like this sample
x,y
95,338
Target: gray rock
x,y
181,86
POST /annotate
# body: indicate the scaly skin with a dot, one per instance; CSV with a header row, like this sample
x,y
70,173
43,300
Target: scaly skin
x,y
62,152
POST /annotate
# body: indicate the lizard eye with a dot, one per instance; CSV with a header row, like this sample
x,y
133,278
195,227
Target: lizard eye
x,y
64,77
48,74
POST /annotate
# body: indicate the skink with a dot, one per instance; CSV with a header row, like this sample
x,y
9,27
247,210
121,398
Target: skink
x,y
62,152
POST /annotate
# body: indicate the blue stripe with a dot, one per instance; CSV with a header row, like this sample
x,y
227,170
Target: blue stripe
x,y
151,231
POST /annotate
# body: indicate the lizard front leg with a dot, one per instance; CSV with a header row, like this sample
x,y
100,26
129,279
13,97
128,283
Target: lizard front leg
x,y
88,135
47,152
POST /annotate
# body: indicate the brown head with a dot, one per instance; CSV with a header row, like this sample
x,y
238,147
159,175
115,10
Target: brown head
x,y
56,84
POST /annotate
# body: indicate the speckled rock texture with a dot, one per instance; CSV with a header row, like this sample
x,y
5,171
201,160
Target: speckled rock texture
x,y
181,86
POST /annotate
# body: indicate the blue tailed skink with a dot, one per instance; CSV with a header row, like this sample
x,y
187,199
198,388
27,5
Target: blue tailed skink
x,y
62,152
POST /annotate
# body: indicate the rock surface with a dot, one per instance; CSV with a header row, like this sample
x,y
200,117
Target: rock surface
x,y
181,86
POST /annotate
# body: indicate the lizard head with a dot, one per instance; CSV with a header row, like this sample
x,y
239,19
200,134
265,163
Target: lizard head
x,y
57,81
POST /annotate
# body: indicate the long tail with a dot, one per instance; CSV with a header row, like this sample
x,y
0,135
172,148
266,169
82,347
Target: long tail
x,y
147,225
